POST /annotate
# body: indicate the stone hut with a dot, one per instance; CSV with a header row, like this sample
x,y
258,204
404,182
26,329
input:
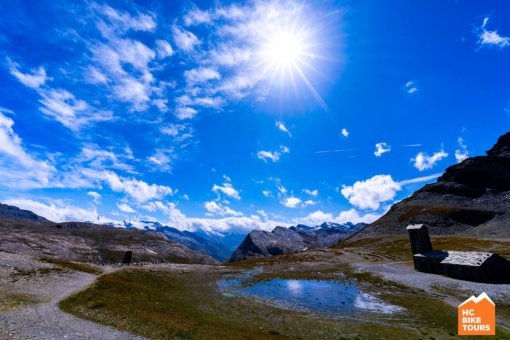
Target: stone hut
x,y
463,265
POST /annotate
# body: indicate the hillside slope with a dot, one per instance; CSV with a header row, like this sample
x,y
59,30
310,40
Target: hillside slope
x,y
471,198
24,232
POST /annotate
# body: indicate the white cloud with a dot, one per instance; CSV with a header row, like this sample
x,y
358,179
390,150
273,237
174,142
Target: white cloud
x,y
130,90
94,157
410,87
423,161
56,211
461,153
196,16
313,193
265,155
18,168
173,129
133,52
95,76
163,159
123,65
226,55
96,197
370,193
71,112
183,113
231,223
35,79
201,75
59,104
381,148
283,128
345,133
217,208
125,208
291,202
266,193
184,40
491,38
272,155
164,49
318,217
124,21
309,202
140,191
226,189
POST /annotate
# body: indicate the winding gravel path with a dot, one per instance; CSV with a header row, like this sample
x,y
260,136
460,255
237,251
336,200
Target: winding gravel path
x,y
45,320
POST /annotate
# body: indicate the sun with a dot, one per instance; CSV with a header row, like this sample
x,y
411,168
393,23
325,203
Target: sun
x,y
287,53
284,50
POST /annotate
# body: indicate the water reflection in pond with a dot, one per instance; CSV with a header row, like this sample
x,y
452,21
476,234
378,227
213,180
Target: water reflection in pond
x,y
311,295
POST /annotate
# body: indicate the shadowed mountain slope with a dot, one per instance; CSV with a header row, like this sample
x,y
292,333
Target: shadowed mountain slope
x,y
471,198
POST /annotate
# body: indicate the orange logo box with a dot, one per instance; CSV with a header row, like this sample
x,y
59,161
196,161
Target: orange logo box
x,y
477,316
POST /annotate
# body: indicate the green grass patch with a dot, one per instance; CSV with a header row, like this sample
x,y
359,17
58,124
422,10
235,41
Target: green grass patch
x,y
164,304
76,266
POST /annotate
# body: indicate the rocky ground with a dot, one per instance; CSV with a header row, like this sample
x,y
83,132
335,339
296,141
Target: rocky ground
x,y
184,300
30,291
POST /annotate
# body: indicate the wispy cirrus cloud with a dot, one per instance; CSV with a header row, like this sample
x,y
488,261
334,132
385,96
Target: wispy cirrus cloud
x,y
59,104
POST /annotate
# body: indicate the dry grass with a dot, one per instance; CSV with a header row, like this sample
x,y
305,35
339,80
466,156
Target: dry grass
x,y
76,266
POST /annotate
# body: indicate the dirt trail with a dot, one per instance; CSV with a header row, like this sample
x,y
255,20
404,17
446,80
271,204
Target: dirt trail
x,y
45,320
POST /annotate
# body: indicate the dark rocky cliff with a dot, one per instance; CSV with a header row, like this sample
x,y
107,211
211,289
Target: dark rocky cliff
x,y
470,198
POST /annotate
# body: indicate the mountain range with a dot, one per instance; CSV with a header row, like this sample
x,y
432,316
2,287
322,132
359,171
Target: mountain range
x,y
217,245
282,240
471,198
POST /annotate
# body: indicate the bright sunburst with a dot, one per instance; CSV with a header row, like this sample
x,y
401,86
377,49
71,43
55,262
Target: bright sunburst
x,y
288,50
283,50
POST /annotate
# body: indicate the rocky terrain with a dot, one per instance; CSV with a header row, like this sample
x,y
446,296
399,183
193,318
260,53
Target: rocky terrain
x,y
23,232
282,240
471,198
30,291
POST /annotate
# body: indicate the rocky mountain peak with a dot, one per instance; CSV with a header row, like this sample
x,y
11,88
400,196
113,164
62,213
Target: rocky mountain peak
x,y
471,197
17,213
501,148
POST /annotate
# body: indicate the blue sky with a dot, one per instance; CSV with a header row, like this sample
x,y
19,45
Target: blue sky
x,y
243,115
